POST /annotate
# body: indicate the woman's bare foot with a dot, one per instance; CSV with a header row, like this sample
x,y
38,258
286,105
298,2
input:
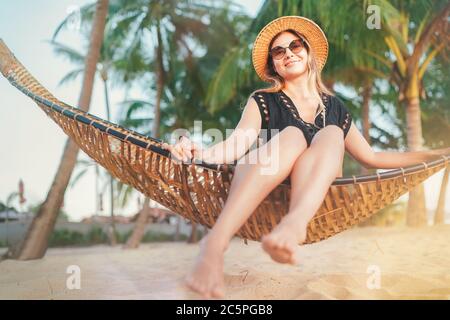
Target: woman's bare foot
x,y
207,276
281,244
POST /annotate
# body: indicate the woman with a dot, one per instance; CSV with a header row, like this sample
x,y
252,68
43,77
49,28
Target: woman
x,y
314,130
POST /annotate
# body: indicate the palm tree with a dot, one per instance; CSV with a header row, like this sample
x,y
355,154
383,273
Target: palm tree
x,y
175,25
409,68
165,22
105,66
35,243
171,23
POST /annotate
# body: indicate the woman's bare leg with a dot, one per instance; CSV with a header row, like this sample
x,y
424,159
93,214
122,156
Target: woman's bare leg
x,y
248,189
311,177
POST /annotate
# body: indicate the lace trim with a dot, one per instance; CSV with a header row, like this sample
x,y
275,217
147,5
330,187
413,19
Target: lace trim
x,y
289,104
346,121
259,97
264,106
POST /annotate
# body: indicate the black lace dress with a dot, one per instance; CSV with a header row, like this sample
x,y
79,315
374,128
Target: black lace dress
x,y
278,111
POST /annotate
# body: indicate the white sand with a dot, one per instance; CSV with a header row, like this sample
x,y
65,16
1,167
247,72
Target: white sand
x,y
413,264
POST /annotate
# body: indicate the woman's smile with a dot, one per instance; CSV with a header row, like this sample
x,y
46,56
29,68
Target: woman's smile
x,y
292,62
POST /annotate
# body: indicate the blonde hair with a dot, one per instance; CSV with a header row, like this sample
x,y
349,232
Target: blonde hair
x,y
315,84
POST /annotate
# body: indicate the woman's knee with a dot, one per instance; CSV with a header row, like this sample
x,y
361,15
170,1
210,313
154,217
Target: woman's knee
x,y
334,129
286,145
293,137
331,135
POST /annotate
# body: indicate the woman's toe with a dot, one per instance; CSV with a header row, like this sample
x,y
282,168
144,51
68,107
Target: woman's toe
x,y
206,294
217,292
291,247
190,284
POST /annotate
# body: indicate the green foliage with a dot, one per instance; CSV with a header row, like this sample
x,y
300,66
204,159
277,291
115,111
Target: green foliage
x,y
436,108
152,236
4,207
62,215
64,237
123,237
96,235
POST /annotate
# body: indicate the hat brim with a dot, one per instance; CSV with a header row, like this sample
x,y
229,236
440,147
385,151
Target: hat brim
x,y
309,29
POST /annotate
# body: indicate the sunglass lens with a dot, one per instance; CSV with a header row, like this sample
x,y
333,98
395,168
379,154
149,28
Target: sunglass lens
x,y
278,52
296,46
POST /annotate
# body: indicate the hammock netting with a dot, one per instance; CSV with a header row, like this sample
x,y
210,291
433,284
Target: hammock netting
x,y
198,191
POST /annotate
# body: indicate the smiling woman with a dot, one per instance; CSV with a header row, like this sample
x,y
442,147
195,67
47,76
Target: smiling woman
x,y
290,55
300,201
198,191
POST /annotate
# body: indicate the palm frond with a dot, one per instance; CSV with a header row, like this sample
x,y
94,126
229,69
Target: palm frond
x,y
226,80
67,52
71,76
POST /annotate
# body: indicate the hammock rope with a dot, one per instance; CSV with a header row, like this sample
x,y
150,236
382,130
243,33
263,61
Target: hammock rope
x,y
198,191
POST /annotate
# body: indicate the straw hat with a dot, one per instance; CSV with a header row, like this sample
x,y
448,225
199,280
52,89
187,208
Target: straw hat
x,y
309,29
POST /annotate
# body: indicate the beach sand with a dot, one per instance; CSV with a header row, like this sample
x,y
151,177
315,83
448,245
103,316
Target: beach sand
x,y
362,263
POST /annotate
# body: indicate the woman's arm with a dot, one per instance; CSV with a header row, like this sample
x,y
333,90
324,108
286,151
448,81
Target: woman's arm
x,y
360,150
242,138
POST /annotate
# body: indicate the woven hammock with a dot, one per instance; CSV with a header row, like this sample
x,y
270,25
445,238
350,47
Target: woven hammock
x,y
199,191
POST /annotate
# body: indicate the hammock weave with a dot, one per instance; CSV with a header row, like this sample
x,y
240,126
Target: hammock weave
x,y
199,191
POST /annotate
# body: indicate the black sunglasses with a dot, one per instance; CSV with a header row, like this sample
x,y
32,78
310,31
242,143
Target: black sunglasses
x,y
295,46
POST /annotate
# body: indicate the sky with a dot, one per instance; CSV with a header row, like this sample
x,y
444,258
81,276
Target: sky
x,y
31,144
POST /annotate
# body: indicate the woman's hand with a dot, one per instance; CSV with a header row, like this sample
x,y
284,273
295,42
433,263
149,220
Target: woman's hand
x,y
184,150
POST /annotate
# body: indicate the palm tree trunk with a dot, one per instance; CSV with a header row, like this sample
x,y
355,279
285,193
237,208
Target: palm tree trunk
x,y
193,238
160,83
97,195
35,243
137,234
416,212
367,95
139,229
176,236
439,216
112,239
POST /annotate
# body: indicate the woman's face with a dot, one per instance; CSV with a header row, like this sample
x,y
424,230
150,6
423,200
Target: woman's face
x,y
292,64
